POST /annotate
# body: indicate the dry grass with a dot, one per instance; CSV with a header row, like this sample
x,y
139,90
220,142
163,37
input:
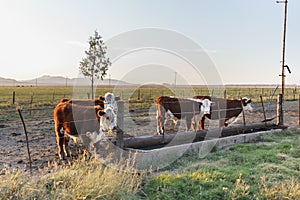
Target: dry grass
x,y
289,189
82,180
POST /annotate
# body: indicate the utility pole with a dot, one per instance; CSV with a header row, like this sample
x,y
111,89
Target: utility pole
x,y
280,118
283,47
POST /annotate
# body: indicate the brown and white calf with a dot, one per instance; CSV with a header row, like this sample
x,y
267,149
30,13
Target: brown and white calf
x,y
179,108
111,101
72,119
205,109
228,109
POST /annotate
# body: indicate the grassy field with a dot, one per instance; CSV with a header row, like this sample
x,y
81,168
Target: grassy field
x,y
52,94
267,169
38,102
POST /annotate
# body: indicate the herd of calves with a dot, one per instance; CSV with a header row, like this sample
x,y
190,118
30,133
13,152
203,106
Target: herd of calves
x,y
95,118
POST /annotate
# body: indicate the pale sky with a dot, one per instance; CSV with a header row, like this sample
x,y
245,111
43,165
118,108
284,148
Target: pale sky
x,y
242,38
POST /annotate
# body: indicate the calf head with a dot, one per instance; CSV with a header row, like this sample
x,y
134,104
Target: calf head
x,y
108,119
246,102
110,98
206,106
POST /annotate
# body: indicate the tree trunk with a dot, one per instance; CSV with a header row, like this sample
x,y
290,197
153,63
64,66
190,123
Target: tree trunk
x,y
93,78
92,86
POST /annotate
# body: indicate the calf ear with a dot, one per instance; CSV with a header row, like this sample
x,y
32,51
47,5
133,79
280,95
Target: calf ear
x,y
100,113
63,100
200,104
101,98
117,98
246,101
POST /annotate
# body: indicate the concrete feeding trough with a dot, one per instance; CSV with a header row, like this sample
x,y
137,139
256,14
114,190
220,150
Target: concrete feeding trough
x,y
158,151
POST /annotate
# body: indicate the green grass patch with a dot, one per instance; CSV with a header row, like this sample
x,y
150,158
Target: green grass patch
x,y
246,171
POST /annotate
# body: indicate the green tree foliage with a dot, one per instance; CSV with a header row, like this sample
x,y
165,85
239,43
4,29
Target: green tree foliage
x,y
95,64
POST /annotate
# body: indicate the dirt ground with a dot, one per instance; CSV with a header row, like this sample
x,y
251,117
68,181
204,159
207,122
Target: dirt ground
x,y
42,142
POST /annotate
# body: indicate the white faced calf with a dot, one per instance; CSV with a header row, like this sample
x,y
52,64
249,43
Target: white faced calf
x,y
110,101
72,120
180,108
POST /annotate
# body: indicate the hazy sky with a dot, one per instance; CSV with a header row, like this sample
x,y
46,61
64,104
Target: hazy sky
x,y
243,38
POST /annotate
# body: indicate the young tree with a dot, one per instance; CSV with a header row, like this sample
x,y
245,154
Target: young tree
x,y
95,64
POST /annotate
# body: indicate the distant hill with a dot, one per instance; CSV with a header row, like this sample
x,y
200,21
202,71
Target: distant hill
x,y
7,81
47,80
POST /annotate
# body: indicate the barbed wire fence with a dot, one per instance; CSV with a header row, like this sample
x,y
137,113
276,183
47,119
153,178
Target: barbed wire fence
x,y
140,104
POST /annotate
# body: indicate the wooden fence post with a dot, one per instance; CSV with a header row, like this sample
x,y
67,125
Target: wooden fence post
x,y
30,165
243,114
219,115
139,94
280,109
31,101
120,124
14,97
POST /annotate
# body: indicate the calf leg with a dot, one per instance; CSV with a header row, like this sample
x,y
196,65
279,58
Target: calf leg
x,y
175,121
188,123
201,123
66,145
160,119
196,123
59,140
